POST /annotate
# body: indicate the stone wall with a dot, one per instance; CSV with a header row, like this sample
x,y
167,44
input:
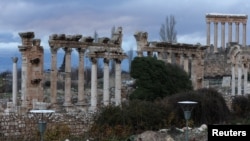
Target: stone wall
x,y
216,65
25,127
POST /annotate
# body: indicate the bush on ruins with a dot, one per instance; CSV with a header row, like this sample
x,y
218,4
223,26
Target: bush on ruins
x,y
155,79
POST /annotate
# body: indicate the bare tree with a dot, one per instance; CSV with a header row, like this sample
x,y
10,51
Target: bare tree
x,y
167,30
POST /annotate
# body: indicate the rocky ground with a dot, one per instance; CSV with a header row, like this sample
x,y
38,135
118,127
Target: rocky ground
x,y
174,134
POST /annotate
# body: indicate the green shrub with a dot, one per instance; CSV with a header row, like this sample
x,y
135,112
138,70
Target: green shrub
x,y
129,119
241,106
211,107
57,132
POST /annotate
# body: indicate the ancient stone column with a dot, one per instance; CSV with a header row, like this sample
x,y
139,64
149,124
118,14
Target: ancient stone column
x,y
182,61
237,32
14,81
186,64
230,32
169,57
27,41
117,82
139,53
160,57
106,82
193,72
244,36
67,83
53,76
239,79
177,59
215,37
223,35
81,96
93,100
245,70
208,34
233,80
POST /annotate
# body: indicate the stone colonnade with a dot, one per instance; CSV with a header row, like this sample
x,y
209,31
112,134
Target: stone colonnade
x,y
105,48
189,57
230,19
240,59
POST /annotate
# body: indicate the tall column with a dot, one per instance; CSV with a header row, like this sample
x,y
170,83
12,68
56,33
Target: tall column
x,y
106,82
193,72
239,79
81,95
208,34
245,78
169,57
139,53
24,79
67,95
223,35
230,32
53,75
27,43
14,81
182,61
233,80
244,36
93,100
186,64
237,32
160,57
117,82
215,37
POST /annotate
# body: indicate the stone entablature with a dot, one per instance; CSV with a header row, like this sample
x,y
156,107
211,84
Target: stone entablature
x,y
222,19
213,17
188,56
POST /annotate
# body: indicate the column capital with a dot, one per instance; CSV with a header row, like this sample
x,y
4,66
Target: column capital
x,y
223,23
14,59
67,50
118,60
93,60
81,50
106,60
53,50
230,23
237,23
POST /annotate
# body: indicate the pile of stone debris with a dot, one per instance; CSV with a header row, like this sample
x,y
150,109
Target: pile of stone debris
x,y
173,134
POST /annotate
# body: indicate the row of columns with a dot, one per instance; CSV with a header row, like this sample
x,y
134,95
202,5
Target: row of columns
x,y
237,34
184,60
81,94
241,69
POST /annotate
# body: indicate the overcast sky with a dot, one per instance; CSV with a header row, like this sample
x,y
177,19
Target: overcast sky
x,y
46,17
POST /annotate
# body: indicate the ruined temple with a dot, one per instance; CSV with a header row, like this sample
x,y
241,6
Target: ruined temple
x,y
224,67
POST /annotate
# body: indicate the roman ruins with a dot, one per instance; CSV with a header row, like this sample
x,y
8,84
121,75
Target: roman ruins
x,y
237,19
32,67
206,63
225,67
187,56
